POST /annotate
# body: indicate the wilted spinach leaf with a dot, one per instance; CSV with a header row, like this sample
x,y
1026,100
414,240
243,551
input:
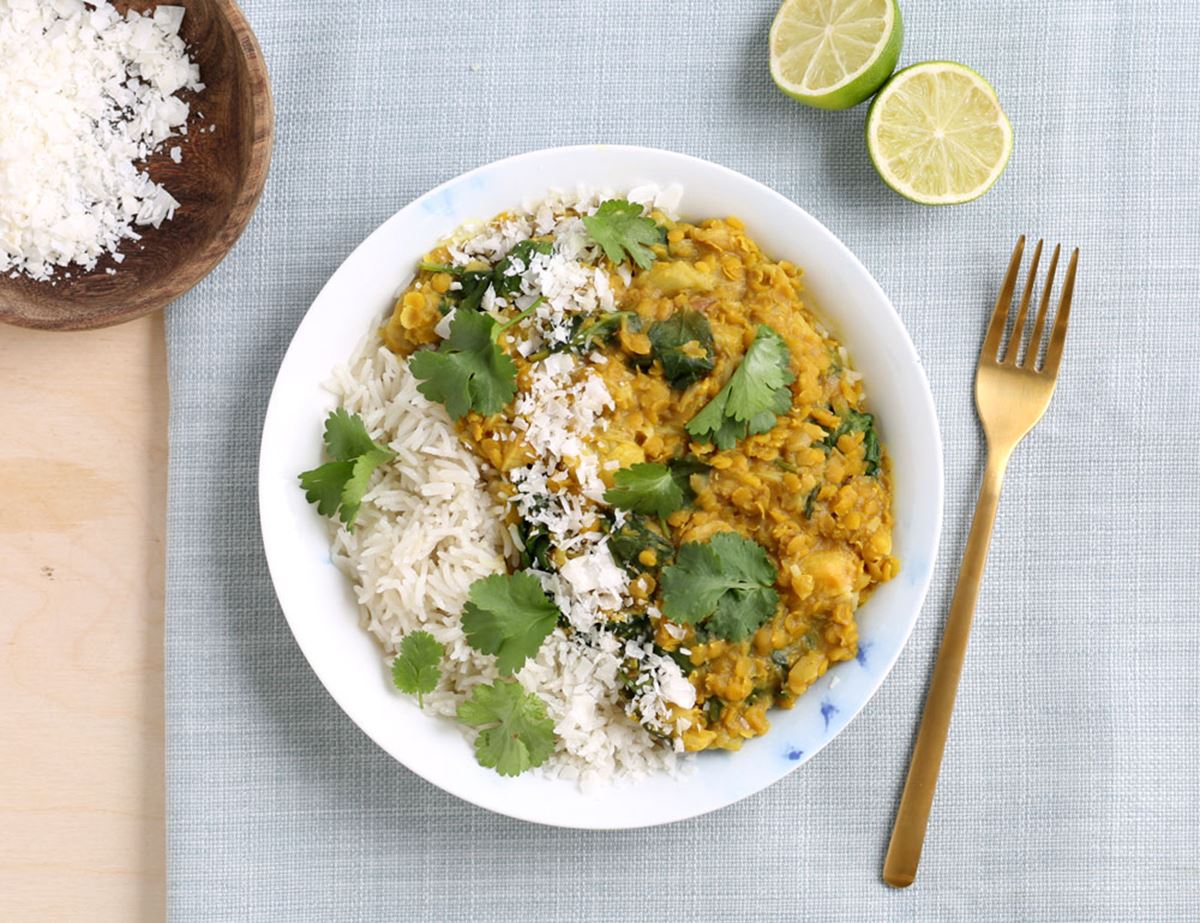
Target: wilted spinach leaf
x,y
855,422
634,537
683,343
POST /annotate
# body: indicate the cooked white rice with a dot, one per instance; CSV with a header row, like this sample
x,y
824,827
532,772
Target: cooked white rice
x,y
428,529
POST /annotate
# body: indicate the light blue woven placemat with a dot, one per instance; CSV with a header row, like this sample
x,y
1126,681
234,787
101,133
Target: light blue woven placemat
x,y
1070,789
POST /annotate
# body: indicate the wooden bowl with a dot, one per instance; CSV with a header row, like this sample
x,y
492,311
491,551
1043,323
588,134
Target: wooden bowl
x,y
218,185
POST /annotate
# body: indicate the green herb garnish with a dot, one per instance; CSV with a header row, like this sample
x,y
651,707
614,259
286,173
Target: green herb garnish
x,y
416,669
620,228
515,732
755,395
683,343
649,488
508,615
468,370
343,482
726,584
655,489
855,422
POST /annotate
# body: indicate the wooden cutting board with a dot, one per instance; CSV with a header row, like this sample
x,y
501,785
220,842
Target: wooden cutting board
x,y
82,498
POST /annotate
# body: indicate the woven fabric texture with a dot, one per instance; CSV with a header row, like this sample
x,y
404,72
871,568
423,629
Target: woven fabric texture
x,y
1070,788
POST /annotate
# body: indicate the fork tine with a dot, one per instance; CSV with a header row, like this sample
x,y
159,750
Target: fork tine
x,y
1059,333
1014,340
1039,325
991,343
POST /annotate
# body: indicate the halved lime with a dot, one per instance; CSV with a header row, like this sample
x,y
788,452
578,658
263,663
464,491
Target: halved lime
x,y
833,54
937,135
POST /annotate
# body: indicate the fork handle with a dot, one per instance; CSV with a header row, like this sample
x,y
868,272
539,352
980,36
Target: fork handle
x,y
908,833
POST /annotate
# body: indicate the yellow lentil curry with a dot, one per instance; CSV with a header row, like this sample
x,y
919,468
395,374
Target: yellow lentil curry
x,y
813,490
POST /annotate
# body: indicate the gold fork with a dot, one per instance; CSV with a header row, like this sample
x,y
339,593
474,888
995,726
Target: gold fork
x,y
1010,397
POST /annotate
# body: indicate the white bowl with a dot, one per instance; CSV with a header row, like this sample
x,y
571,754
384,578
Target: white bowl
x,y
316,596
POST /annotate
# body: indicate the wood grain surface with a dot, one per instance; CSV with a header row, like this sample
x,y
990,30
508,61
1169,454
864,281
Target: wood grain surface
x,y
226,153
82,501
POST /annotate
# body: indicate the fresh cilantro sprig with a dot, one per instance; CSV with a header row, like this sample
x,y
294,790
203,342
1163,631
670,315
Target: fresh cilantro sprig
x,y
620,228
853,421
515,733
343,482
683,343
653,489
649,488
755,395
508,615
416,669
726,584
469,370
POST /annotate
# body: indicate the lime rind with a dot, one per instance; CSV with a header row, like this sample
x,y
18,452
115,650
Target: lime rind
x,y
874,120
854,87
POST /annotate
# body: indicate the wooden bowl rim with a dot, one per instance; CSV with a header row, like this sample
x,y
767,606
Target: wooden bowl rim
x,y
223,239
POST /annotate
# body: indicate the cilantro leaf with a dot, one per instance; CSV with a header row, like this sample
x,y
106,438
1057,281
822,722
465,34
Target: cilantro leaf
x,y
346,435
468,371
619,227
755,395
654,489
516,733
416,669
855,422
344,481
508,615
683,343
648,488
727,584
323,485
356,485
765,370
